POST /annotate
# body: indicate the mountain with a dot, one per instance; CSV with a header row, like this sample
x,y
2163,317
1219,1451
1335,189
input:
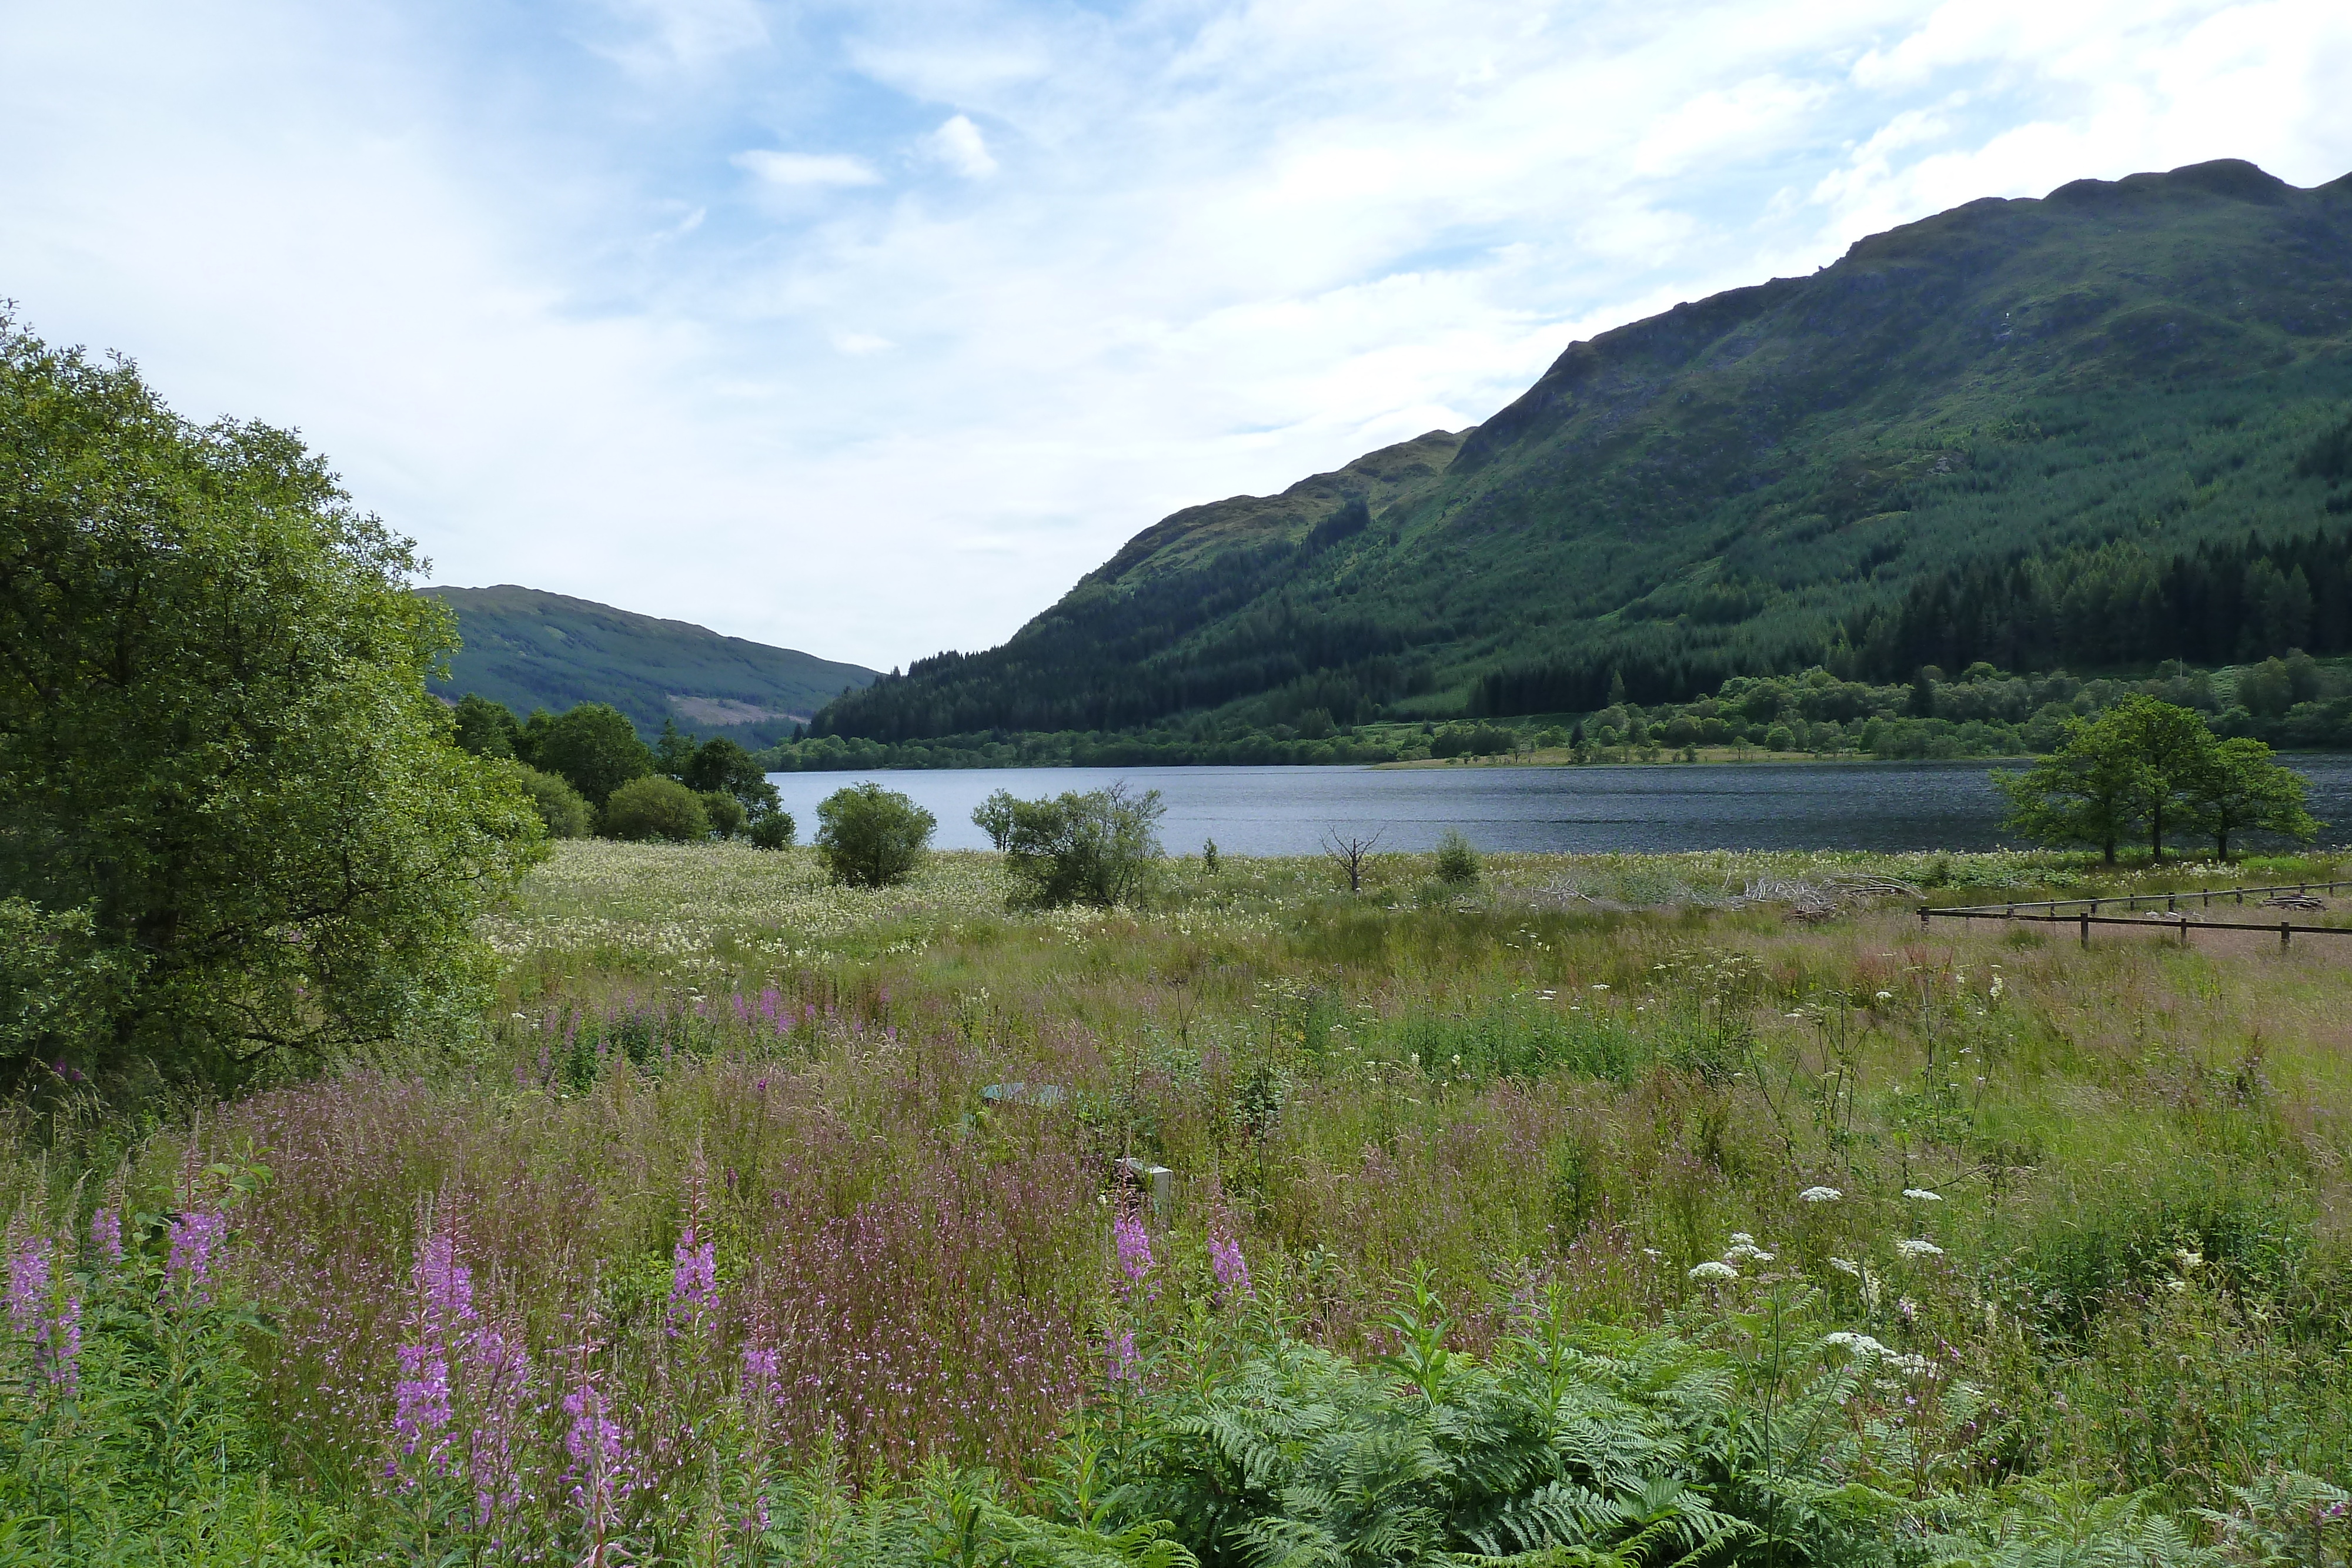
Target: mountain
x,y
1757,482
529,649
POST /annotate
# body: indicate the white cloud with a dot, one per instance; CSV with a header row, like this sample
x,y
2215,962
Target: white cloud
x,y
960,146
1233,243
807,168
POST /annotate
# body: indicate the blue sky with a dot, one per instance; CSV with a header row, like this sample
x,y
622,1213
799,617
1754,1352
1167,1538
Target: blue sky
x,y
867,329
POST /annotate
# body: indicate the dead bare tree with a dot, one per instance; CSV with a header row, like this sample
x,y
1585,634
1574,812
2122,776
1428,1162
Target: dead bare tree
x,y
1349,852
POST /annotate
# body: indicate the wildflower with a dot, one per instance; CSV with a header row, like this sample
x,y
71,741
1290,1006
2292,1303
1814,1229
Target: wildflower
x,y
1846,1266
195,1234
1860,1343
599,1448
28,1284
1134,1245
1119,1347
1714,1271
2188,1260
1885,996
1225,1261
1997,988
693,1280
1911,1247
1820,1195
1922,1194
1741,1239
106,1236
1745,1251
1599,988
1910,1362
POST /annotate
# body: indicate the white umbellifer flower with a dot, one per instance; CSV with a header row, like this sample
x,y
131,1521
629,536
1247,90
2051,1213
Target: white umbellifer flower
x,y
1741,1239
1914,1363
1745,1251
1886,996
2188,1260
1600,988
1996,985
2175,1284
1860,1343
1846,1266
1820,1195
1714,1271
1652,1252
1911,1247
1923,1195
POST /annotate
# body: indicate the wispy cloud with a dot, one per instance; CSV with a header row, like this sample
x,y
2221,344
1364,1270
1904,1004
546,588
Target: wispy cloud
x,y
960,146
808,168
979,288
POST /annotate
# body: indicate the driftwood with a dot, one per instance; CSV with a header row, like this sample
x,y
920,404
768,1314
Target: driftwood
x,y
2292,901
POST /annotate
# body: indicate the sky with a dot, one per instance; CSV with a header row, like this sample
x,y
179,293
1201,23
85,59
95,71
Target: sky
x,y
868,330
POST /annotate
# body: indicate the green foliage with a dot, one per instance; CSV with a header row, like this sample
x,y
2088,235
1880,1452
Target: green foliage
x,y
2144,763
871,837
773,831
485,728
529,649
591,747
1093,848
726,813
1458,864
558,805
215,740
995,817
654,807
720,764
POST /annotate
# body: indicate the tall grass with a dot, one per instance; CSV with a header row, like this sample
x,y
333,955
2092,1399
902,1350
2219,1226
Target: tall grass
x,y
730,1238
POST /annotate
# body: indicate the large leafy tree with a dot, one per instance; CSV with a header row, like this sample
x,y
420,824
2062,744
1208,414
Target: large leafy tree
x,y
233,825
593,747
2088,791
2237,787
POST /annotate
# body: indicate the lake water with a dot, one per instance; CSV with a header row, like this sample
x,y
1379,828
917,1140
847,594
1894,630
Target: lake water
x,y
1594,809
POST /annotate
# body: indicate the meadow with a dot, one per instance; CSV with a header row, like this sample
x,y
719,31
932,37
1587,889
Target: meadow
x,y
1631,1210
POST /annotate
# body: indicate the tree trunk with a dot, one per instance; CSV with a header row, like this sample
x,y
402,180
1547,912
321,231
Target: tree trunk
x,y
2110,847
2156,834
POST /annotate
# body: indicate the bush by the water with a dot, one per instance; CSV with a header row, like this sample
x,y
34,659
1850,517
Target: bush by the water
x,y
871,837
656,806
1091,848
773,831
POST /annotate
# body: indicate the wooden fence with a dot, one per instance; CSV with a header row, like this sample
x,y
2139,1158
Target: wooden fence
x,y
2086,912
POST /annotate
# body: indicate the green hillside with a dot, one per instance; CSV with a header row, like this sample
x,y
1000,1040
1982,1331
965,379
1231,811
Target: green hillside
x,y
530,650
1834,469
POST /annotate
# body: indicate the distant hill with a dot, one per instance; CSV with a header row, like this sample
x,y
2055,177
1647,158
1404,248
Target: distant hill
x,y
529,649
1754,483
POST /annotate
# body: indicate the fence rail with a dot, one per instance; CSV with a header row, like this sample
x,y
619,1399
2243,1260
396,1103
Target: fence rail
x,y
2086,912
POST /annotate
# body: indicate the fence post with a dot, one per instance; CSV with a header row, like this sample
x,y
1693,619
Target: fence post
x,y
1923,917
2184,931
2285,931
2086,929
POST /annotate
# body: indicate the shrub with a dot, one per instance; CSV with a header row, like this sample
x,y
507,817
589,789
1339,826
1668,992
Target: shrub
x,y
725,812
1779,737
1457,862
995,816
773,831
592,747
656,808
567,816
1082,849
871,837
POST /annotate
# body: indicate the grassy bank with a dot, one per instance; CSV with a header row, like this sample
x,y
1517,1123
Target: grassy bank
x,y
728,1238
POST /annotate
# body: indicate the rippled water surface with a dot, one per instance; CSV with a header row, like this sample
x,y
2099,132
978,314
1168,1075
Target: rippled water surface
x,y
1284,810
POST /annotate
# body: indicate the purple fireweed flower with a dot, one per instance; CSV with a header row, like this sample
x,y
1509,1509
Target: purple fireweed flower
x,y
64,1353
763,1380
600,1474
497,1376
1134,1245
1119,1349
693,1280
56,1335
196,1236
440,1310
421,1403
29,1288
1225,1261
106,1236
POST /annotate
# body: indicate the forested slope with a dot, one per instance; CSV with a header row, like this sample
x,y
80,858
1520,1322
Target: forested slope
x,y
530,650
1854,468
